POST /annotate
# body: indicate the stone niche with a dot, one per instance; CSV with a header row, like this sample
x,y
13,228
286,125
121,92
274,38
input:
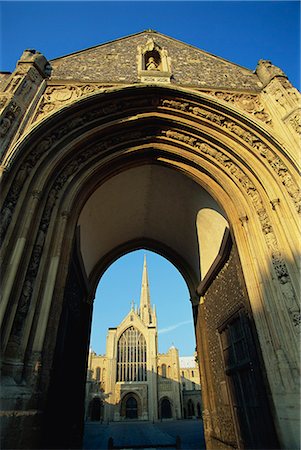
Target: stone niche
x,y
153,63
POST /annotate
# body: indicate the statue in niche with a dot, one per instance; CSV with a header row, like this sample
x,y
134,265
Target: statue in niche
x,y
151,64
152,60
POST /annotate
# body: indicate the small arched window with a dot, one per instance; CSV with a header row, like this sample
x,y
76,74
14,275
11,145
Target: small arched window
x,y
163,370
97,374
192,374
169,371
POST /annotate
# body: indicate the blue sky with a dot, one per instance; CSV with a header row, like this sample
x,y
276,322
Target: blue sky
x,y
240,31
121,284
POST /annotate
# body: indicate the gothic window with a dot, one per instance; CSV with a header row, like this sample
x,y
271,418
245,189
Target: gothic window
x,y
192,374
131,356
164,370
97,373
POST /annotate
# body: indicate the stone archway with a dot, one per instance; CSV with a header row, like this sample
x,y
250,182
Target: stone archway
x,y
130,406
165,408
244,182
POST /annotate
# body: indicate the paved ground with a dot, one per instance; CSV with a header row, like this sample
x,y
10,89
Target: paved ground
x,y
145,434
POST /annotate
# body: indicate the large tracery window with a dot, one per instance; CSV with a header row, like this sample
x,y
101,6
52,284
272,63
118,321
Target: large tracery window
x,y
131,356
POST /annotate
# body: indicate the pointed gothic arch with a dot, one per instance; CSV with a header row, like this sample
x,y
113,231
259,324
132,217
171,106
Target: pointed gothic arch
x,y
131,356
54,169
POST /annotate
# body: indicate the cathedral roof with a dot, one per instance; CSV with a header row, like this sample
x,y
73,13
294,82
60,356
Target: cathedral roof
x,y
116,62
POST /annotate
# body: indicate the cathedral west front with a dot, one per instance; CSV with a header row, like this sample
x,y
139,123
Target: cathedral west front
x,y
133,381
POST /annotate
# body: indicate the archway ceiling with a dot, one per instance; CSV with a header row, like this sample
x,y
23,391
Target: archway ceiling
x,y
149,202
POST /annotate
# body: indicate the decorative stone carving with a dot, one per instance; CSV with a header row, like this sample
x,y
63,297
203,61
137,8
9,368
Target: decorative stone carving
x,y
266,71
33,57
278,262
110,107
250,138
249,103
3,101
294,121
9,116
286,97
153,63
60,95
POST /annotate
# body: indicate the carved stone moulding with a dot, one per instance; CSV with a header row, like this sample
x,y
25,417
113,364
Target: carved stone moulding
x,y
294,121
152,103
56,96
254,141
249,103
216,156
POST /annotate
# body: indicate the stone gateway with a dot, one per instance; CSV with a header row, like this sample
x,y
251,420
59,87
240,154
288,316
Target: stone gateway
x,y
147,142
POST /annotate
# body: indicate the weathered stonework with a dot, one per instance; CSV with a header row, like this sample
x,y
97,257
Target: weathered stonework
x,y
117,62
223,299
74,128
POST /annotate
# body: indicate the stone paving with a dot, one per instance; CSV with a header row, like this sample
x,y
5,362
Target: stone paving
x,y
145,434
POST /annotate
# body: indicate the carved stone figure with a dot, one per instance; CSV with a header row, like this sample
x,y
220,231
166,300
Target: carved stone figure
x,y
151,64
266,71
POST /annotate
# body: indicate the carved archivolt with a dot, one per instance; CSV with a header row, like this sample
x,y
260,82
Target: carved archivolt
x,y
261,149
210,153
248,186
57,96
249,103
216,156
110,107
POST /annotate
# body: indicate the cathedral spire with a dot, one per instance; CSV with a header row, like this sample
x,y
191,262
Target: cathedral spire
x,y
145,304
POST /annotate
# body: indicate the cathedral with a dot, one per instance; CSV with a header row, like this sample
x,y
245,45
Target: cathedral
x,y
132,380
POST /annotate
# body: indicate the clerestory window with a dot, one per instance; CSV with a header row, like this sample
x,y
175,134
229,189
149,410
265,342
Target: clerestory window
x,y
131,356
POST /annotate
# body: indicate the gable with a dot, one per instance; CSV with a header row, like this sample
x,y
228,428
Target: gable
x,y
118,61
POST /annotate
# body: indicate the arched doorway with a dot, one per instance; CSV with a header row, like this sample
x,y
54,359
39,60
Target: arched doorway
x,y
190,408
131,408
166,412
221,173
96,409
